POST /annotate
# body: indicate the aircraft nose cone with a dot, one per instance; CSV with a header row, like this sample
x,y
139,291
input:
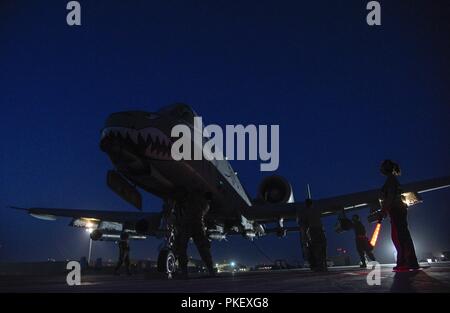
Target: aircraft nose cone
x,y
134,133
117,127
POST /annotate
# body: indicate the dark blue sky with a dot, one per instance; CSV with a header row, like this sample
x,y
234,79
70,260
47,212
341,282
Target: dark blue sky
x,y
345,95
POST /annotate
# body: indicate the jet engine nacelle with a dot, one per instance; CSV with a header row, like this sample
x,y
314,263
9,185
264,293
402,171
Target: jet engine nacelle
x,y
275,189
111,235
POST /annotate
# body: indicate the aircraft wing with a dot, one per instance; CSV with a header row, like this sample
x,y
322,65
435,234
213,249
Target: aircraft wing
x,y
110,223
266,213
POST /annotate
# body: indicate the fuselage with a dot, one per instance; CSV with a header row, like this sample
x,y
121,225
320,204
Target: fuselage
x,y
139,146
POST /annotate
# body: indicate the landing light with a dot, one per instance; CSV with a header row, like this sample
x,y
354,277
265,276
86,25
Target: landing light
x,y
411,198
233,264
89,230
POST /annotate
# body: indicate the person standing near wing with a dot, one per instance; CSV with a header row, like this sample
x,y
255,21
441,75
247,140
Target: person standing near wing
x,y
124,254
362,242
392,205
316,241
306,251
190,220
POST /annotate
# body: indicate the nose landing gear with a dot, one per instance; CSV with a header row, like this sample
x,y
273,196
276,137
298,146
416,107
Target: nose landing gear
x,y
167,261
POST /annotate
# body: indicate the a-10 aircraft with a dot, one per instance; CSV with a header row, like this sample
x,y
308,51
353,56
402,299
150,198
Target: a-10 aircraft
x,y
139,146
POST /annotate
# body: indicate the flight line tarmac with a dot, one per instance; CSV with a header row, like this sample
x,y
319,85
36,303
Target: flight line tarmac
x,y
348,279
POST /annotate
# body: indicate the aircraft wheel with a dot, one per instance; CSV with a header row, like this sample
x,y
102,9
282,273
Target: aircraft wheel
x,y
167,261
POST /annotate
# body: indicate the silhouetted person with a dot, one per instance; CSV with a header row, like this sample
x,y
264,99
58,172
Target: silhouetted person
x,y
304,242
124,254
190,222
363,245
391,195
316,242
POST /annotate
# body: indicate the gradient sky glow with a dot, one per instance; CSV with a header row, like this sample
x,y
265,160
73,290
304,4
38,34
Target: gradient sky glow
x,y
346,96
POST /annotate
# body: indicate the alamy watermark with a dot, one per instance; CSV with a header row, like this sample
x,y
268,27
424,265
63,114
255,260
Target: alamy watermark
x,y
374,276
208,143
73,278
373,18
73,17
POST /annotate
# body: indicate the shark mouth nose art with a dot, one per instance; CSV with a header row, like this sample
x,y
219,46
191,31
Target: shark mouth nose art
x,y
156,144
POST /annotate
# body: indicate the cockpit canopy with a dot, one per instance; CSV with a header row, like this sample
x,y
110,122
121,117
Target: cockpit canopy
x,y
180,111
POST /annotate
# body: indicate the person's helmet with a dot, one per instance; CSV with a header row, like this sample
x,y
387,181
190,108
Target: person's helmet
x,y
124,236
389,167
355,218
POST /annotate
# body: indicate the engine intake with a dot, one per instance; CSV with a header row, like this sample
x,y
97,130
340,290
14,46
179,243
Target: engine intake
x,y
275,189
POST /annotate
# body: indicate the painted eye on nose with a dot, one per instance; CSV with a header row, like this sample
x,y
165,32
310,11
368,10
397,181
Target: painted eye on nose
x,y
152,116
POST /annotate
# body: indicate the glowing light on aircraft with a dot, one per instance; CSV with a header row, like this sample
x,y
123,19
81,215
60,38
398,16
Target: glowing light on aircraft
x,y
375,234
411,198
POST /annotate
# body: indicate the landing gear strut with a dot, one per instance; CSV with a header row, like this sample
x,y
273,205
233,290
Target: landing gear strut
x,y
167,261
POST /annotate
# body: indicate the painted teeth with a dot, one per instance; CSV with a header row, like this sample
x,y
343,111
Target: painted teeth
x,y
133,136
157,143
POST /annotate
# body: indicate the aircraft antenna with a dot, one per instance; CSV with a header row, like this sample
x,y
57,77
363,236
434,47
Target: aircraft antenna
x,y
308,190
